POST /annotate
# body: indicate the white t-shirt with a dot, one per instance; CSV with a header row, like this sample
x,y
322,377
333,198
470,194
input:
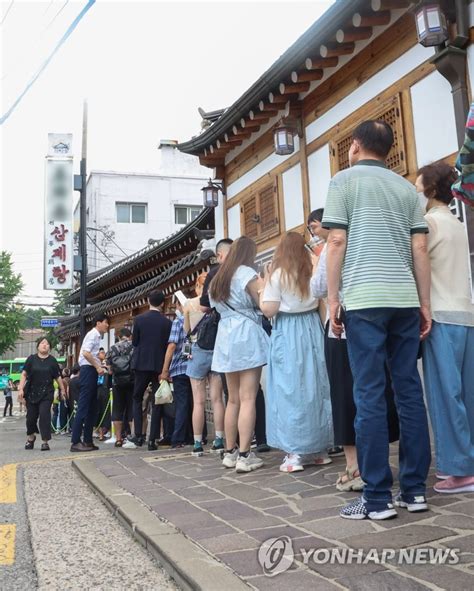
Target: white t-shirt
x,y
290,300
91,343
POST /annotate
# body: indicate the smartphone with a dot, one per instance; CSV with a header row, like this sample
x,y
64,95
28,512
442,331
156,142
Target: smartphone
x,y
339,314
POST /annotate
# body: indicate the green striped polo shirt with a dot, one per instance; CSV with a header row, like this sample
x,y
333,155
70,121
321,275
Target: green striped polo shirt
x,y
380,211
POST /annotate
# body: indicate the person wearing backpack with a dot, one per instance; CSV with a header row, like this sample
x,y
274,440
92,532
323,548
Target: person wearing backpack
x,y
119,361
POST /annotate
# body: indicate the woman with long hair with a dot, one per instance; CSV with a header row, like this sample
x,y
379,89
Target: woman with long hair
x,y
448,351
298,403
40,373
241,348
199,372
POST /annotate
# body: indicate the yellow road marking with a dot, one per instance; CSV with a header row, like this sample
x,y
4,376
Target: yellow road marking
x,y
7,544
8,483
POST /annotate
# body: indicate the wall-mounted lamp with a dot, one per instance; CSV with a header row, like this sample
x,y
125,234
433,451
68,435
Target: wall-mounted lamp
x,y
431,24
284,136
211,193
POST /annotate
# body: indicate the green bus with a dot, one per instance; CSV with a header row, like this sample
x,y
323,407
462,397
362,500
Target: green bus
x,y
14,367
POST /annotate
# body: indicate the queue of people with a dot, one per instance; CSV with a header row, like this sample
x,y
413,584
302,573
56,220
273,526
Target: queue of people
x,y
338,323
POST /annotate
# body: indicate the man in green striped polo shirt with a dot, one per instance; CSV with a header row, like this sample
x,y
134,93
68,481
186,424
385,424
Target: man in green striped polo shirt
x,y
377,249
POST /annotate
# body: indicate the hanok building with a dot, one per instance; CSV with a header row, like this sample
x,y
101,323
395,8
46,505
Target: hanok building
x,y
277,147
121,290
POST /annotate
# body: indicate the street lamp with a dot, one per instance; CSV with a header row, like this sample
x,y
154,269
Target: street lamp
x,y
431,24
283,139
211,193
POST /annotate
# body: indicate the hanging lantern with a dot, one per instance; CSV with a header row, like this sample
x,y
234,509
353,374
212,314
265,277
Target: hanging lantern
x,y
211,194
283,138
431,24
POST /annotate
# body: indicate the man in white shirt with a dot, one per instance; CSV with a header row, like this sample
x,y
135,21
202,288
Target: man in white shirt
x,y
91,367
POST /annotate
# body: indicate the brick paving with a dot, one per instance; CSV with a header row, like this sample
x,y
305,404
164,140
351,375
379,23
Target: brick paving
x,y
229,515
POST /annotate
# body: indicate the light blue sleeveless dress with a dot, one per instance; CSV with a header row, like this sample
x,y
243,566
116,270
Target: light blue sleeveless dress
x,y
241,342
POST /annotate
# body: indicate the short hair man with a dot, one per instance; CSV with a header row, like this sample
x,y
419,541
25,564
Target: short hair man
x,y
377,240
174,368
91,367
151,331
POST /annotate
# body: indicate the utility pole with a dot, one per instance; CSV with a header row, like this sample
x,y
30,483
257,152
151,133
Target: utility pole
x,y
83,222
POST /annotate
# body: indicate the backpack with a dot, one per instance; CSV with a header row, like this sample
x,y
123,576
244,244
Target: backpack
x,y
206,331
121,362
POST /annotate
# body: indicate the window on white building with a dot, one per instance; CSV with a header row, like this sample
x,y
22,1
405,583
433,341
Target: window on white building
x,y
183,214
134,213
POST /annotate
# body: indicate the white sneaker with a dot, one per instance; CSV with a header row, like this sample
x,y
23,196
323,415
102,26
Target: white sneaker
x,y
292,463
111,440
230,459
251,462
129,445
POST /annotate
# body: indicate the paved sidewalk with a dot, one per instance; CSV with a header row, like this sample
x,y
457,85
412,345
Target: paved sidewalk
x,y
229,515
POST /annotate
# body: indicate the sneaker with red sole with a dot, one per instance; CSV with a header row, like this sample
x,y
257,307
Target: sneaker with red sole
x,y
455,484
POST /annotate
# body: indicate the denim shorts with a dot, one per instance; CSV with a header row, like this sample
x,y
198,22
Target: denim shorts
x,y
199,366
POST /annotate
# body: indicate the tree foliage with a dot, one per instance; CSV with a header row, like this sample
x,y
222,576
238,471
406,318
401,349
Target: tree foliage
x,y
11,314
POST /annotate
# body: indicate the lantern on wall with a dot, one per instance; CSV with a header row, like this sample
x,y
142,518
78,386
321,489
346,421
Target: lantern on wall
x,y
431,24
284,139
211,194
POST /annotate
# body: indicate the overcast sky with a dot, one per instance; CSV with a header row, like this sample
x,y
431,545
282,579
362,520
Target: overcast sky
x,y
145,68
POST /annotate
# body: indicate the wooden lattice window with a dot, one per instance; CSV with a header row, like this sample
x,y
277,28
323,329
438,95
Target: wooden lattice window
x,y
260,218
391,112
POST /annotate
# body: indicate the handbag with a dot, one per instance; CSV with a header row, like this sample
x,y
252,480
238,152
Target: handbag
x,y
207,331
164,395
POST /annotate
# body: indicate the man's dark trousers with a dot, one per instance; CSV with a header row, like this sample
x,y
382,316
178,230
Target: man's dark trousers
x,y
87,405
142,379
374,336
182,394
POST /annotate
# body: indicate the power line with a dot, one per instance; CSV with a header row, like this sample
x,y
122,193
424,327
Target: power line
x,y
98,248
70,29
6,12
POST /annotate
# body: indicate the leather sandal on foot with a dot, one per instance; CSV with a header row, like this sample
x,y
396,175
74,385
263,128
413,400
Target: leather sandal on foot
x,y
45,447
30,444
350,480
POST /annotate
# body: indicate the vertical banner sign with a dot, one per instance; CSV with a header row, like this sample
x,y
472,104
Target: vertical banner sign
x,y
58,213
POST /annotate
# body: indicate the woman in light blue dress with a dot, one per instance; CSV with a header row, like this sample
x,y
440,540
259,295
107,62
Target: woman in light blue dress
x,y
298,404
241,348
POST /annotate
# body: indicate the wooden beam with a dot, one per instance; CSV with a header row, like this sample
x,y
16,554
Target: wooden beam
x,y
277,98
316,63
377,5
353,34
265,107
307,76
371,19
258,116
336,49
293,88
249,125
231,139
261,120
241,133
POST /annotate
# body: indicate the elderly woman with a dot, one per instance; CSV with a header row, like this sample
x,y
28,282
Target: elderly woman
x,y
448,356
40,372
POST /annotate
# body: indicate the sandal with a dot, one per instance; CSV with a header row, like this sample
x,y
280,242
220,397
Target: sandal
x,y
350,480
118,443
30,443
45,447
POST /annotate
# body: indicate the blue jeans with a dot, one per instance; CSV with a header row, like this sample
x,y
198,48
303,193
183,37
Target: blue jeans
x,y
183,395
375,336
448,369
87,405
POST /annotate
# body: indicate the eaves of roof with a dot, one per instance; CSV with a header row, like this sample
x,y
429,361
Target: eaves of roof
x,y
133,260
308,43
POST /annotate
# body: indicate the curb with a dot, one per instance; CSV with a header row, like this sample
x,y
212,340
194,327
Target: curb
x,y
191,567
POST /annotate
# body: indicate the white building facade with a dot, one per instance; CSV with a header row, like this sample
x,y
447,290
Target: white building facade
x,y
125,210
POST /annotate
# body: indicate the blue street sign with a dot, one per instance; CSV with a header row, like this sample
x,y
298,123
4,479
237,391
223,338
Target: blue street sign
x,y
49,322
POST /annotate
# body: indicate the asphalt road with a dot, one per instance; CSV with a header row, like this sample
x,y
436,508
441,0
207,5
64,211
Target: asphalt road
x,y
65,537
